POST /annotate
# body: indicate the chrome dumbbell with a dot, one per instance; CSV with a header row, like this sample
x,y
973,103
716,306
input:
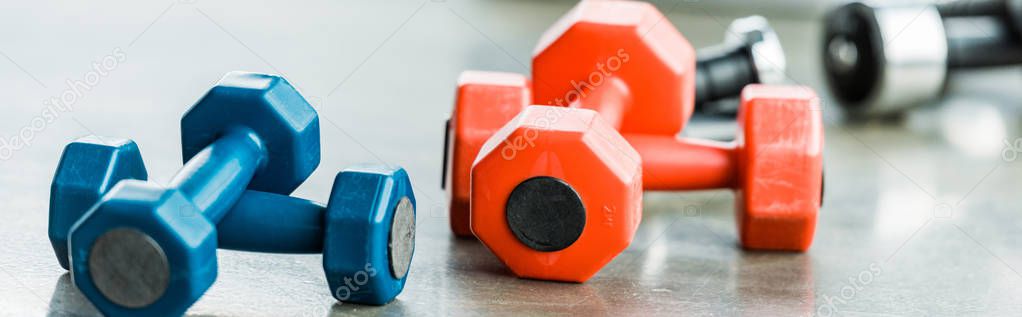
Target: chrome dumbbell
x,y
885,59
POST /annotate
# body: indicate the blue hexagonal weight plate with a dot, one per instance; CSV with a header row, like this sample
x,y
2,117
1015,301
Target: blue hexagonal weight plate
x,y
88,168
370,234
270,106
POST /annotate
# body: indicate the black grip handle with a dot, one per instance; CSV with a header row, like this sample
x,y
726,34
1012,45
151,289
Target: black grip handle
x,y
973,8
1008,12
447,147
722,72
975,42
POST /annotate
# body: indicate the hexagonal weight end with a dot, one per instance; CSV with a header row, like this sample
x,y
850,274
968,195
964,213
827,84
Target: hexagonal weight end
x,y
370,234
780,146
575,147
88,168
285,122
629,41
485,102
145,250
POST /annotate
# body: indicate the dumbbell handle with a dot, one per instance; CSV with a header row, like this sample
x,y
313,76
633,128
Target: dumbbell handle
x,y
722,72
1001,40
215,178
997,45
670,163
268,222
973,8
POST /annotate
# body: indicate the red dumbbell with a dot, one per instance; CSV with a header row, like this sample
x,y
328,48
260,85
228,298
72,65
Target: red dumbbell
x,y
623,60
649,97
485,102
750,53
556,191
635,34
775,166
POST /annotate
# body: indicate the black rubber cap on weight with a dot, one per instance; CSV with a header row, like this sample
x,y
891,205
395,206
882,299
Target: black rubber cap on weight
x,y
722,72
856,82
545,214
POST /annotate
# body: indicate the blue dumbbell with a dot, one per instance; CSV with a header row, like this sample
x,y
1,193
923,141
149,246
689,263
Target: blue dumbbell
x,y
146,249
88,168
366,232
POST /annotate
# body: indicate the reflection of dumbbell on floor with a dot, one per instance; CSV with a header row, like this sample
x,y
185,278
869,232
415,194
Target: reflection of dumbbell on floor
x,y
367,227
884,59
366,232
151,250
572,156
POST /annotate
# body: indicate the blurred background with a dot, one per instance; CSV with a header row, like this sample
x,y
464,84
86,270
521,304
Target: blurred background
x,y
920,215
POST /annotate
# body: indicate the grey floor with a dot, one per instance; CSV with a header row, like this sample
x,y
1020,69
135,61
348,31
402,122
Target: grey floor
x,y
921,215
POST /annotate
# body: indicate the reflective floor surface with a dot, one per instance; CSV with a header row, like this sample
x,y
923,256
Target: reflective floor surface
x,y
921,215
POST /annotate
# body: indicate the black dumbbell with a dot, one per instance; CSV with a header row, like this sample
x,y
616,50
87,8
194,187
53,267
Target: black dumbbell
x,y
881,60
751,53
